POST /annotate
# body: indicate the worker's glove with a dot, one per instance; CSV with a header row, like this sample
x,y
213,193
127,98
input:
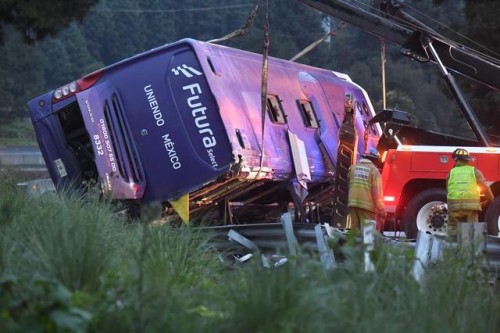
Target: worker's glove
x,y
485,203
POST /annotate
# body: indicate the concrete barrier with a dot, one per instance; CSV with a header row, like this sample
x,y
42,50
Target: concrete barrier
x,y
21,158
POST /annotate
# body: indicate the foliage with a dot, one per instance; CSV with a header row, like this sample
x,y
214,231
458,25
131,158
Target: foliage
x,y
110,30
481,32
18,132
70,264
21,79
289,299
11,201
37,19
173,257
39,305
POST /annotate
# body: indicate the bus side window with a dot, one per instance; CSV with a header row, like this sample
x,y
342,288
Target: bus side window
x,y
308,114
275,109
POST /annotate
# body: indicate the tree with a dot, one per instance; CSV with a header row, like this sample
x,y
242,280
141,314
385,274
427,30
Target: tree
x,y
21,80
115,29
482,29
292,27
41,18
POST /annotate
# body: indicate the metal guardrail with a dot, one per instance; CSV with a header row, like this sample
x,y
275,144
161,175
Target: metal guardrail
x,y
22,158
273,242
267,237
272,239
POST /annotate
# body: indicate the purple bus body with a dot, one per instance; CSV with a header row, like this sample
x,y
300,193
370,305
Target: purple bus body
x,y
179,119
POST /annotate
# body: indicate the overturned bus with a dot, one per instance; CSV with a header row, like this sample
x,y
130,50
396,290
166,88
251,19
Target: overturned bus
x,y
182,125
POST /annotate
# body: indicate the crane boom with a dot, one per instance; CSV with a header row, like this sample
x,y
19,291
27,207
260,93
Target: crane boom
x,y
413,36
421,43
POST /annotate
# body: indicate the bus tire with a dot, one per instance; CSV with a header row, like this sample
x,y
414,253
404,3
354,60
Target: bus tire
x,y
492,217
418,209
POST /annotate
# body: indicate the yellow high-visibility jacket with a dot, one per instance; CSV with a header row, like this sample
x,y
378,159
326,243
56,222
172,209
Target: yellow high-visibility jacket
x,y
365,186
462,188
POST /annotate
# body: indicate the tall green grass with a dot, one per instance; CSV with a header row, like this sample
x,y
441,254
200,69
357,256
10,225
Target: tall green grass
x,y
17,132
65,238
71,264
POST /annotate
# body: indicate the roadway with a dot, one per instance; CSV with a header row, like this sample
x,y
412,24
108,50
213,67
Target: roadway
x,y
22,158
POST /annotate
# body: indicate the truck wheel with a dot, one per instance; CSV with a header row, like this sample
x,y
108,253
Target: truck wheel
x,y
492,217
419,215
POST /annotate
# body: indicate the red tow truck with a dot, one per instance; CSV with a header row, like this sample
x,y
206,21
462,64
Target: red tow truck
x,y
414,176
414,180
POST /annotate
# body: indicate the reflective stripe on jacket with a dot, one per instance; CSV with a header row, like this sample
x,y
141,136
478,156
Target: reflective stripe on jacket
x,y
462,192
365,186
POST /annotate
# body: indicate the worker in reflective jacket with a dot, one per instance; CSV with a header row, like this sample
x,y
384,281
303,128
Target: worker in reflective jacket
x,y
365,199
463,197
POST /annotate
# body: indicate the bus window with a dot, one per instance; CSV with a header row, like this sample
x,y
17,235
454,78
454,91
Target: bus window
x,y
308,114
275,109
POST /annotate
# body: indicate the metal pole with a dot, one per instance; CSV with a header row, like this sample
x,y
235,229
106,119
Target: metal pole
x,y
382,56
462,102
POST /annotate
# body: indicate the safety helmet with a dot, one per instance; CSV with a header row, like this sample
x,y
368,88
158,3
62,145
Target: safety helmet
x,y
348,103
461,154
371,153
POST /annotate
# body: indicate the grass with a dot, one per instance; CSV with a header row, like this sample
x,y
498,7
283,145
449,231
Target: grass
x,y
71,264
16,132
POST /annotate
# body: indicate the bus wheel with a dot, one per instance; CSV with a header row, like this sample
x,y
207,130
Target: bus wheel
x,y
492,217
425,212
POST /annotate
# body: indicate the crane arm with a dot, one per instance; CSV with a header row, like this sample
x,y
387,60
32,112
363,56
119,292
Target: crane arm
x,y
423,44
414,37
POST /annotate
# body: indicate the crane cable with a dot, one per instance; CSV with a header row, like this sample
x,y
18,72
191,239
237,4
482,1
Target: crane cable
x,y
242,30
263,95
320,40
265,59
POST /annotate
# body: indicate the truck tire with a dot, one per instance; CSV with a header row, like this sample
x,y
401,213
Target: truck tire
x,y
492,217
416,214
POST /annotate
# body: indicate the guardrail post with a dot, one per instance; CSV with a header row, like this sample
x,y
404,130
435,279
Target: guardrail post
x,y
233,235
427,249
471,238
368,233
326,255
291,240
